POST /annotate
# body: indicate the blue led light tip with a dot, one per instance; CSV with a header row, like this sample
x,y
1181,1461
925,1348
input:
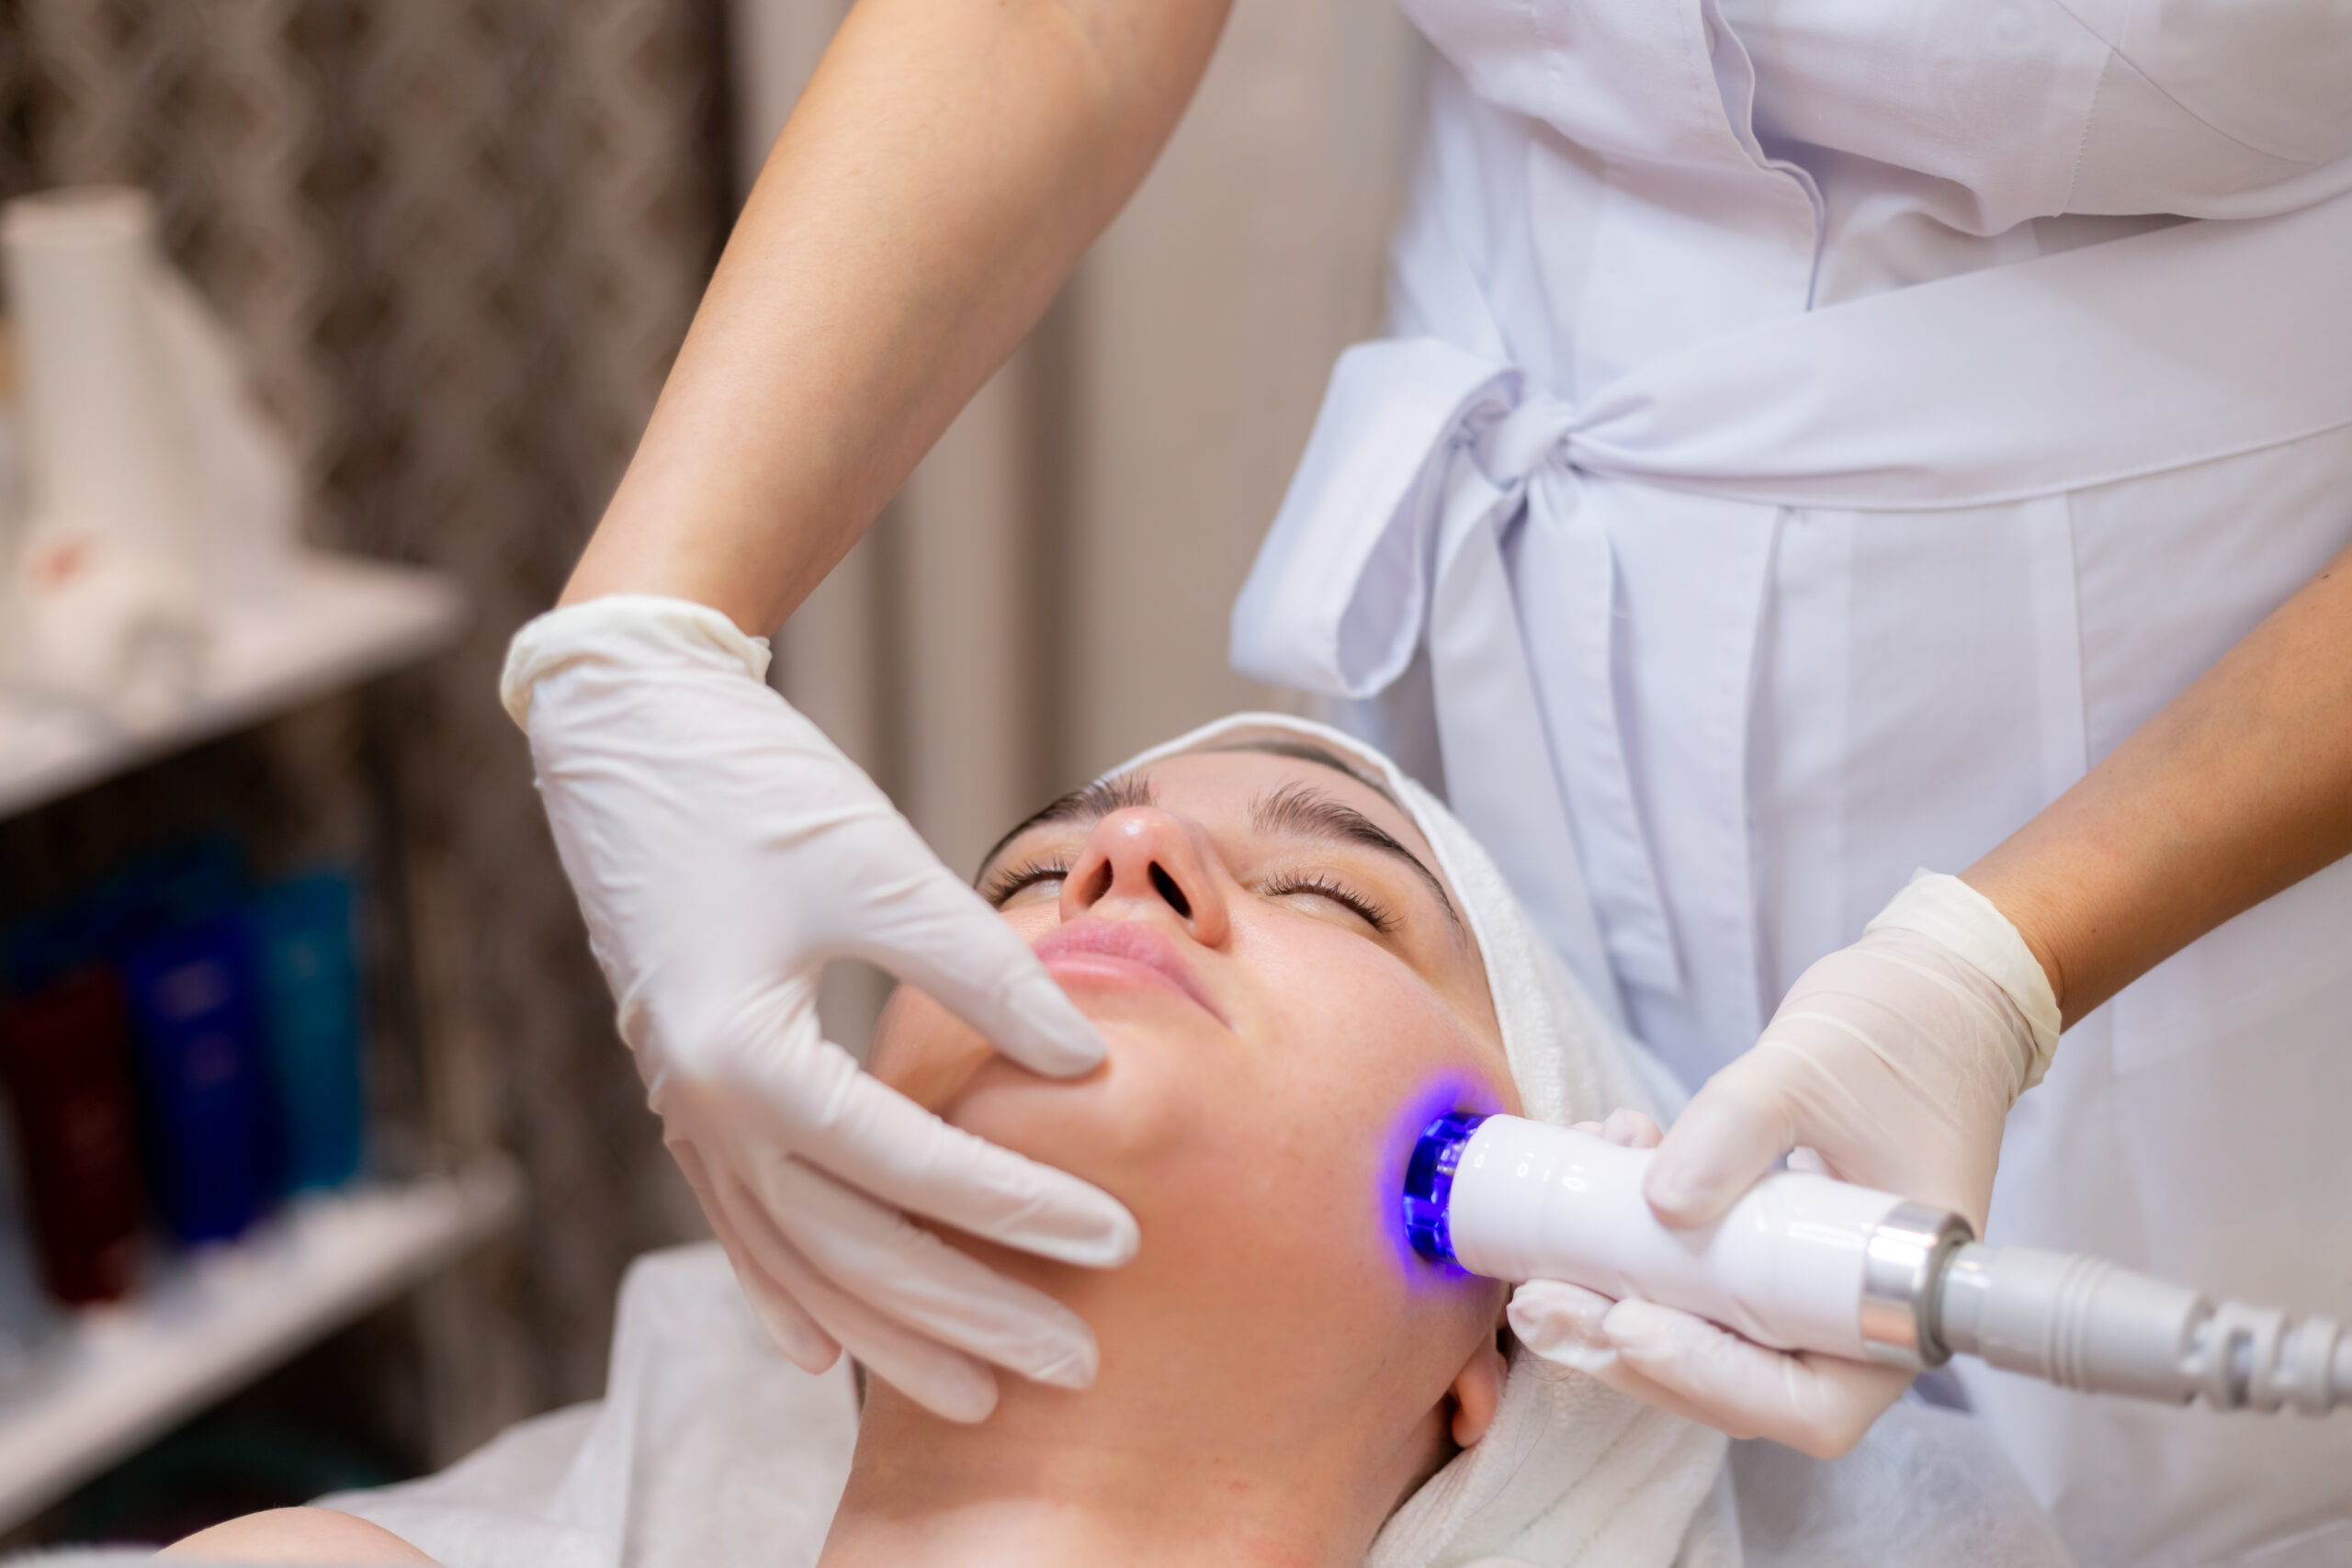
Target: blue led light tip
x,y
1428,1183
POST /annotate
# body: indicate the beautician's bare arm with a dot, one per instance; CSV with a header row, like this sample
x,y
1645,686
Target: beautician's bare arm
x,y
2237,788
939,178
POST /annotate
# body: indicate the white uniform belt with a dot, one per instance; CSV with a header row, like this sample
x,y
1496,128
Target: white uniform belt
x,y
2188,343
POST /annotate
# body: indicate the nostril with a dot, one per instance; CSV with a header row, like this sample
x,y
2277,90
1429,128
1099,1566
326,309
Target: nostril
x,y
1167,888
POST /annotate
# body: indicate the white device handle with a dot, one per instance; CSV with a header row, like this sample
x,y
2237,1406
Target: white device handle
x,y
1789,1265
1804,1262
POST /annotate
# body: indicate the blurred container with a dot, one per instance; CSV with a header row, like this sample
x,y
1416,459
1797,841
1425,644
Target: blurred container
x,y
66,1057
112,450
304,939
210,1163
244,1022
141,421
108,611
159,493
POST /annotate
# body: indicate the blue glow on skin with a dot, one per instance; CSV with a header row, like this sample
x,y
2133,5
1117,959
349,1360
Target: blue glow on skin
x,y
1455,1091
1428,1183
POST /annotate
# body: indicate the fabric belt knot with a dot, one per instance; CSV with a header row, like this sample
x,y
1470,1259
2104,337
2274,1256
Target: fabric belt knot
x,y
1396,528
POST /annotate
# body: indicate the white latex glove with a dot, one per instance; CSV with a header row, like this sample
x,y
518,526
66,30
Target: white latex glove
x,y
1892,1062
723,851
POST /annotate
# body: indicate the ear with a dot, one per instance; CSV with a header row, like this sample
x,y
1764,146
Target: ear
x,y
1477,1389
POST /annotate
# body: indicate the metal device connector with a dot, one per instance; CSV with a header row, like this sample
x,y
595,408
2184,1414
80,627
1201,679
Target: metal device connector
x,y
1901,1269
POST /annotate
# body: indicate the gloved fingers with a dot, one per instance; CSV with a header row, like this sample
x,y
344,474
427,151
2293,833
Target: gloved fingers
x,y
874,1253
943,1381
878,1141
803,1341
1564,1324
934,932
1627,1128
1817,1404
1561,1322
1734,1128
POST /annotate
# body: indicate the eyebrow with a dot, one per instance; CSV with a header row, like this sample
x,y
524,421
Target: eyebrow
x,y
1292,810
1303,812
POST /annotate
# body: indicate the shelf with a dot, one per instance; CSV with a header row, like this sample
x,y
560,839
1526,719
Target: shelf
x,y
130,1371
341,620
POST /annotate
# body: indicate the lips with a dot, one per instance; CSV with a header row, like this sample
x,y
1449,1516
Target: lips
x,y
1125,951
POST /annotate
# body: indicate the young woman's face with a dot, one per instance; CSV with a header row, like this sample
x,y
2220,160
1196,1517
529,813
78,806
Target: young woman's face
x,y
1287,996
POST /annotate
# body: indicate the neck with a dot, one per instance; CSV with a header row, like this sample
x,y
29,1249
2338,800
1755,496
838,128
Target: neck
x,y
1026,1487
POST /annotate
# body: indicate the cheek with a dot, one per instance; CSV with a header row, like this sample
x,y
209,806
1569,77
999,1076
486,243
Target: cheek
x,y
1375,1056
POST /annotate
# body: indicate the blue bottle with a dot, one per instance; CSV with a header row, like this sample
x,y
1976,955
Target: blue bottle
x,y
308,969
208,1131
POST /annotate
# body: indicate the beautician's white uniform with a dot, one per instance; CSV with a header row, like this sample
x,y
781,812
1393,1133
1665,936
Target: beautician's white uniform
x,y
1798,458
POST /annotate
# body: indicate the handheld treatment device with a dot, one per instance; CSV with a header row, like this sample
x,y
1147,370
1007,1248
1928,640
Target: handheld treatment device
x,y
1804,1262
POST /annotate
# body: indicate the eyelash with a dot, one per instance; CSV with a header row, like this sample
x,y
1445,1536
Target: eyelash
x,y
1372,914
1005,883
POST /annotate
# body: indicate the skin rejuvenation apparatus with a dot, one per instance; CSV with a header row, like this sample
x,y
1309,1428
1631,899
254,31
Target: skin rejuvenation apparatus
x,y
1804,1262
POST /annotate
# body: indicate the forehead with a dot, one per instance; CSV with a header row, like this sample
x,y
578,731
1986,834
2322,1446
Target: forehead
x,y
1227,783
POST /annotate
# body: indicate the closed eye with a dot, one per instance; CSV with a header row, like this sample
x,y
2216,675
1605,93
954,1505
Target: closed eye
x,y
1006,886
1372,914
999,889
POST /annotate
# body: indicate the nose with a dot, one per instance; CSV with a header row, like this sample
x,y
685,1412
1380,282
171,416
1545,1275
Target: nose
x,y
1143,860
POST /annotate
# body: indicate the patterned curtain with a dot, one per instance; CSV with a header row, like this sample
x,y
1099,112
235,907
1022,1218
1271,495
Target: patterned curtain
x,y
462,240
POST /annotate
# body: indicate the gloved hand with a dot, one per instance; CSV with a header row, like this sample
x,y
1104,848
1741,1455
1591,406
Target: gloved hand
x,y
1892,1062
723,851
